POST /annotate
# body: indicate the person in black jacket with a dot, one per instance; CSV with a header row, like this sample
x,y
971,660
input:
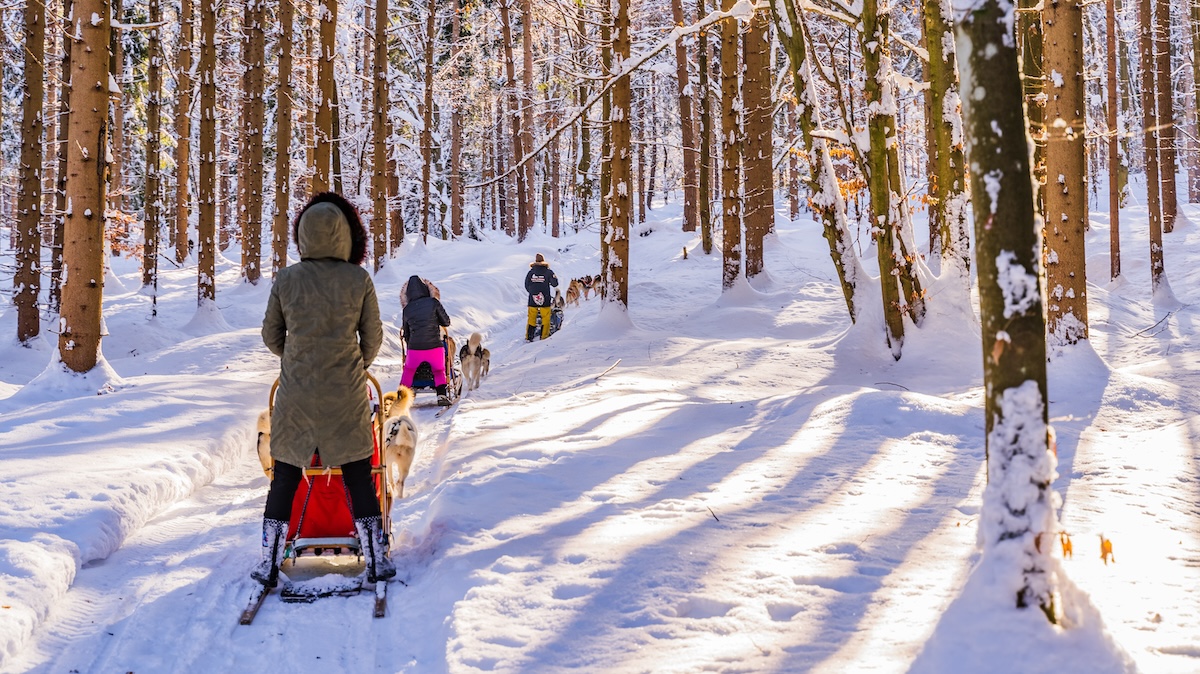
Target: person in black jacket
x,y
424,318
538,283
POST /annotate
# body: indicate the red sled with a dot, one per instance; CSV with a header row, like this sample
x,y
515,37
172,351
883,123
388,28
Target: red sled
x,y
321,519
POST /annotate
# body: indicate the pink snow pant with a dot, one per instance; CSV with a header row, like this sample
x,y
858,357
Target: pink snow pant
x,y
436,359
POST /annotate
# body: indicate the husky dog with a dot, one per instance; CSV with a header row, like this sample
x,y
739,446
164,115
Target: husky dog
x,y
471,356
264,441
485,359
399,442
587,283
574,291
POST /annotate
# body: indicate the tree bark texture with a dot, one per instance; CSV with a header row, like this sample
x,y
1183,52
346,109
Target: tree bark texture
x,y
87,175
617,280
948,180
758,159
283,139
1018,514
427,121
379,155
705,141
253,57
1114,147
1066,185
206,227
153,203
1150,139
1168,165
27,279
731,153
687,124
324,135
183,129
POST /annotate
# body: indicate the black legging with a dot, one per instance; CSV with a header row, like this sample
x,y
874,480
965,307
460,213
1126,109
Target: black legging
x,y
356,480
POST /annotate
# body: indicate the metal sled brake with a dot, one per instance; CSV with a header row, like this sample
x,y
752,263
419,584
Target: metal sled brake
x,y
321,520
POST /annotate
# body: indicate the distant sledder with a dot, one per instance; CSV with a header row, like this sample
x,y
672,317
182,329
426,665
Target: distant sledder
x,y
431,359
539,283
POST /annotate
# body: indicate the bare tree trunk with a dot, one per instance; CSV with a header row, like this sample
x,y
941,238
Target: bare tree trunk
x,y
1029,36
524,204
253,56
1114,149
527,113
949,200
87,164
758,109
153,207
206,226
326,98
117,99
687,123
704,179
1150,141
881,127
379,105
183,129
606,148
456,189
1066,195
584,182
1166,115
731,154
1194,173
793,162
27,280
283,139
60,197
427,123
1018,515
617,272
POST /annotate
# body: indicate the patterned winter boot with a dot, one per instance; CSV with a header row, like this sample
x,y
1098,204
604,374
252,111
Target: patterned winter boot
x,y
373,540
274,543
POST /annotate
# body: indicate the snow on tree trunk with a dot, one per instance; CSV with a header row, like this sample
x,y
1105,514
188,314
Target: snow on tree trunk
x,y
881,130
620,194
206,227
283,139
1168,166
153,207
705,141
758,159
1018,514
1150,140
254,107
427,121
88,155
687,125
379,154
825,196
948,178
27,279
731,154
1114,146
1065,197
183,129
324,135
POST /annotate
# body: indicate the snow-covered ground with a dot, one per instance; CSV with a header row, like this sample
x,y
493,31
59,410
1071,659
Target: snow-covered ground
x,y
738,482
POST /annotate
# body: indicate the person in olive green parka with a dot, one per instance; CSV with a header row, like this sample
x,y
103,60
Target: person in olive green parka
x,y
322,320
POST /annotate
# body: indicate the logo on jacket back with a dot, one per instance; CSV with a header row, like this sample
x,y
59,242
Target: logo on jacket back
x,y
539,299
537,278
